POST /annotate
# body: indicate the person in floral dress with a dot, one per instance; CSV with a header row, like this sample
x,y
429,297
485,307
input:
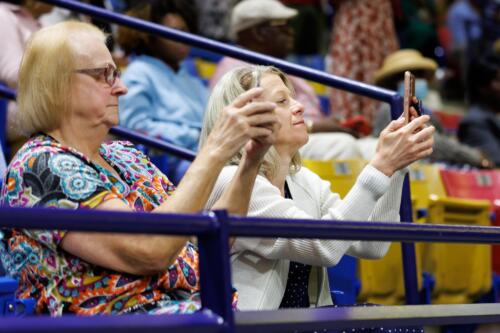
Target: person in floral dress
x,y
363,35
67,104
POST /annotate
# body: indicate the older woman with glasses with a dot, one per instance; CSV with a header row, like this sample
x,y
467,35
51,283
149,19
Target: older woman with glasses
x,y
278,272
69,91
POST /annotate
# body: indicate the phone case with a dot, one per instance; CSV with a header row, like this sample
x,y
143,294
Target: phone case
x,y
408,94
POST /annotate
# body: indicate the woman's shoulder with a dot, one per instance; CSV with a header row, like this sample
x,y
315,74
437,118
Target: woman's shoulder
x,y
36,146
122,151
134,163
44,171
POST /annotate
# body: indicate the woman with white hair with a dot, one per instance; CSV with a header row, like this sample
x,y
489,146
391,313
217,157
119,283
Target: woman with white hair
x,y
272,273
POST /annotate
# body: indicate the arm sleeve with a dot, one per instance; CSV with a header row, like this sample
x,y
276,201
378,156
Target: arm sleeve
x,y
386,210
138,111
54,180
267,201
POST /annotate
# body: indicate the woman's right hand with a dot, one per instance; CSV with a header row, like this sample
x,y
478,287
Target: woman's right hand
x,y
241,121
399,145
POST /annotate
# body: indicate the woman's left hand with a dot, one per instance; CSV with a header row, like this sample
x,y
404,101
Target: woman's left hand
x,y
255,149
401,144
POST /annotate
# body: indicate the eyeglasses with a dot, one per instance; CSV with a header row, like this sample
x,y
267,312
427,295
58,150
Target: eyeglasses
x,y
110,73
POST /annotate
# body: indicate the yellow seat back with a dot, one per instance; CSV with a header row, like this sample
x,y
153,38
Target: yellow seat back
x,y
462,271
382,280
425,183
341,174
206,69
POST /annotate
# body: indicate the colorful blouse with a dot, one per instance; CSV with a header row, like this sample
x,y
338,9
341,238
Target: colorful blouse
x,y
45,173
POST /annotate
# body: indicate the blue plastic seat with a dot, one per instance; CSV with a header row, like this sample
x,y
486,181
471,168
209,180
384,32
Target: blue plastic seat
x,y
9,305
344,283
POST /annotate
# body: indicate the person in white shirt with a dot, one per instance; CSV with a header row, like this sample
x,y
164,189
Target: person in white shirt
x,y
272,273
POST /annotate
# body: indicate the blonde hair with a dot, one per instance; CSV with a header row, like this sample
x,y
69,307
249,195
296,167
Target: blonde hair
x,y
45,75
229,87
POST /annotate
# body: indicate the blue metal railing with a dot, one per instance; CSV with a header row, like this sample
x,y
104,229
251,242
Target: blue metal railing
x,y
213,231
391,97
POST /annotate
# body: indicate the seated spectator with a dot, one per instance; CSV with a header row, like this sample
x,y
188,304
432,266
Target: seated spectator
x,y
67,164
391,76
264,26
18,20
480,127
275,273
164,100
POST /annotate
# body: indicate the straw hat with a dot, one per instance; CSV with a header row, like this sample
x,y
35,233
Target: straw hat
x,y
404,60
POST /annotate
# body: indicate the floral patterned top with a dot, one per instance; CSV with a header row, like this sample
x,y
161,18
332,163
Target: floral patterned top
x,y
45,173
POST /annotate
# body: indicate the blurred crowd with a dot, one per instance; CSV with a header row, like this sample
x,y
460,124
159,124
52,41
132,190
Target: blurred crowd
x,y
446,43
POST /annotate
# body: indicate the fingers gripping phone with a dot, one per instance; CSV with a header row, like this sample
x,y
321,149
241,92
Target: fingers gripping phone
x,y
409,94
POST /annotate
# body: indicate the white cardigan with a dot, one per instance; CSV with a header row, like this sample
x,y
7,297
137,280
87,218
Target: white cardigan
x,y
260,265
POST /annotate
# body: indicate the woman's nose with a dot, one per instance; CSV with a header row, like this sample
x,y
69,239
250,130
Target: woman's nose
x,y
119,88
297,107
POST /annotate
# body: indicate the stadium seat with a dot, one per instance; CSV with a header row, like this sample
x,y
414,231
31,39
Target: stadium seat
x,y
343,281
341,174
472,184
9,306
425,183
206,69
462,272
382,280
450,121
479,184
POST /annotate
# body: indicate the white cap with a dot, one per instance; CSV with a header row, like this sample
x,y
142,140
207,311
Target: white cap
x,y
249,13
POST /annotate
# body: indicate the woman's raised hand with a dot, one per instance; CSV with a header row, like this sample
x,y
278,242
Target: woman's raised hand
x,y
401,144
244,122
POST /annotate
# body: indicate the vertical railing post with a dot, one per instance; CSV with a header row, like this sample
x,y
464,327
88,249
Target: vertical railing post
x,y
215,272
405,212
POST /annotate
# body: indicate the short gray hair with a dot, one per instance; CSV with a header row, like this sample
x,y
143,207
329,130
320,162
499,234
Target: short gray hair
x,y
229,87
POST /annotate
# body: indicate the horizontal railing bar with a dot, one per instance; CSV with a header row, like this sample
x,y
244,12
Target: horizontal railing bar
x,y
153,142
129,134
382,231
229,50
107,221
192,224
8,93
298,320
203,321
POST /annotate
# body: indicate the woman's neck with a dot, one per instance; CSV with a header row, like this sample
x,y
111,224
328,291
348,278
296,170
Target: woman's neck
x,y
86,143
283,171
